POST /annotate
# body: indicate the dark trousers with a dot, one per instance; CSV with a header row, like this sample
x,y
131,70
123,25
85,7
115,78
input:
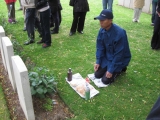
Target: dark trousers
x,y
78,21
55,18
154,5
155,111
60,17
12,11
30,22
155,42
101,73
45,25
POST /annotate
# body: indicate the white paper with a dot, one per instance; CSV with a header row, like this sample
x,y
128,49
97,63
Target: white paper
x,y
97,82
79,81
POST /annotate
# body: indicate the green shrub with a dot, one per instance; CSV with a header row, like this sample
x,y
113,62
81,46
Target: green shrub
x,y
42,82
48,105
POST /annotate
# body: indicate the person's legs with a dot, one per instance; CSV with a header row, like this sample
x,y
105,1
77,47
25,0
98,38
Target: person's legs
x,y
100,72
154,5
56,23
81,22
110,3
60,17
13,13
30,22
155,41
138,14
104,4
74,23
45,24
106,80
136,11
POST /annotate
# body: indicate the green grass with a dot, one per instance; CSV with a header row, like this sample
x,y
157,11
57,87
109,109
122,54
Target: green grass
x,y
4,113
132,95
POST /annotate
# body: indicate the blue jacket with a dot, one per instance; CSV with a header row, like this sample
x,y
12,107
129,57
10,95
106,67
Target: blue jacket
x,y
113,49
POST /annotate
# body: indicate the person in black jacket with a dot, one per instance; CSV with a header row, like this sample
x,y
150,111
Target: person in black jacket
x,y
43,8
80,8
155,41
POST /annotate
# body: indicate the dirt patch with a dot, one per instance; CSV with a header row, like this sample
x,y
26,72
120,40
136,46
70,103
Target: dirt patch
x,y
60,110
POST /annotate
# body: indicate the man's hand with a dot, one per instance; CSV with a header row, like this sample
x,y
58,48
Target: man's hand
x,y
96,66
108,74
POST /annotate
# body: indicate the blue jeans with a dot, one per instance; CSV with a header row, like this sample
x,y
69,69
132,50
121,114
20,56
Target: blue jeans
x,y
107,4
154,4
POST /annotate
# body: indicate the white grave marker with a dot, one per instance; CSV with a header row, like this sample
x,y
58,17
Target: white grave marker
x,y
8,52
2,34
23,87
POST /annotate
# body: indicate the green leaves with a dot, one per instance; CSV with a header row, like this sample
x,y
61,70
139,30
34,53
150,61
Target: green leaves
x,y
42,82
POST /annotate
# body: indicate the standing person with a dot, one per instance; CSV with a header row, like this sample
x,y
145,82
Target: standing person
x,y
59,12
154,5
107,4
11,10
138,5
30,14
42,7
113,52
54,15
80,8
155,41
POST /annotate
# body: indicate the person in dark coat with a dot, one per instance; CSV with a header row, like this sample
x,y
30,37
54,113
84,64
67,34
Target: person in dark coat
x,y
80,8
155,111
155,41
59,12
54,15
43,8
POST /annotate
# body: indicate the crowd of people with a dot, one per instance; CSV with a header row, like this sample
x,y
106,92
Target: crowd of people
x,y
113,53
112,48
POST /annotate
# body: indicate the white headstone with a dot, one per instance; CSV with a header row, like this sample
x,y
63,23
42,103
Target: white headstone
x,y
129,4
8,52
2,34
147,6
23,87
121,2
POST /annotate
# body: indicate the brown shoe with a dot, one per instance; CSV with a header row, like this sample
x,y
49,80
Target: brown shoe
x,y
45,45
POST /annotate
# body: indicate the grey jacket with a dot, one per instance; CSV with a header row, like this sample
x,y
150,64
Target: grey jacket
x,y
28,3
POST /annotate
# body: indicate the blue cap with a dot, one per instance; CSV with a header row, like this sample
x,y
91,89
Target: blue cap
x,y
105,14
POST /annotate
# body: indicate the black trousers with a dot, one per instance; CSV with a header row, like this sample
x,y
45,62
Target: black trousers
x,y
78,21
55,20
101,73
30,22
155,41
155,111
45,25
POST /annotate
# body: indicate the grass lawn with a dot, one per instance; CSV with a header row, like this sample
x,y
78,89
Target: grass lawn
x,y
131,96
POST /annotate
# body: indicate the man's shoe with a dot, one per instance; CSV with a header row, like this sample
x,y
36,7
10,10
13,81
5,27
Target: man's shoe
x,y
71,33
40,42
81,32
54,32
45,45
29,42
